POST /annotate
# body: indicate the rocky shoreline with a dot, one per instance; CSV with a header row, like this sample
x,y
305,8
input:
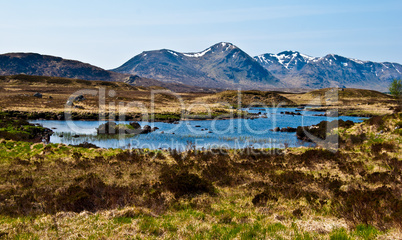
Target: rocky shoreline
x,y
85,116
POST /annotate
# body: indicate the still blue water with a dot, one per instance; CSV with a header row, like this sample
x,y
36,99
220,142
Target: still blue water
x,y
232,133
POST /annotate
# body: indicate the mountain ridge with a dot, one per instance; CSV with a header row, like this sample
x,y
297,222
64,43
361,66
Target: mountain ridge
x,y
297,69
222,65
46,65
36,64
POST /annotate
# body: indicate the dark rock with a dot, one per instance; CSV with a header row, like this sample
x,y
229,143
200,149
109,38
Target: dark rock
x,y
86,145
107,128
320,130
146,129
290,113
135,125
288,129
79,98
113,128
277,129
38,95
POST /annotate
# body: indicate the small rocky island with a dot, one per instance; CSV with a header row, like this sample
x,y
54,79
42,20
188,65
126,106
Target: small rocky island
x,y
111,128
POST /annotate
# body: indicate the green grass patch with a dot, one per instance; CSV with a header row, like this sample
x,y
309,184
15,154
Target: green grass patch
x,y
366,232
340,234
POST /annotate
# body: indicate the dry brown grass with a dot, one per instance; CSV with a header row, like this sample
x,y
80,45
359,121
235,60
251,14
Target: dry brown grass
x,y
17,94
348,101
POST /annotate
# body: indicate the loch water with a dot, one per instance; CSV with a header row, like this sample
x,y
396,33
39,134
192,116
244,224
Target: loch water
x,y
225,133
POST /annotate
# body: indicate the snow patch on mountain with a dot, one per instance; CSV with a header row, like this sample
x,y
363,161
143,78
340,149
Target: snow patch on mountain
x,y
288,59
173,53
199,54
307,57
357,61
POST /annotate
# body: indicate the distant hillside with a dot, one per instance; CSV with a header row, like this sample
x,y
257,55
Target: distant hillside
x,y
299,70
43,65
31,80
135,80
249,98
221,66
352,93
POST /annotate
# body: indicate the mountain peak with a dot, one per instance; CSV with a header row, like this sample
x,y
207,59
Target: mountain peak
x,y
223,46
222,65
219,47
288,52
287,59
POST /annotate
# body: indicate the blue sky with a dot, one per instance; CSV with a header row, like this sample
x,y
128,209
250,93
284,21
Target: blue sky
x,y
108,33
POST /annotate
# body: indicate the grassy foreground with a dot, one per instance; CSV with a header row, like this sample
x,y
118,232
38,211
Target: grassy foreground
x,y
50,191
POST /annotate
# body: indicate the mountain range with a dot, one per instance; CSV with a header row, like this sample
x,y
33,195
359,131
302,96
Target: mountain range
x,y
299,70
221,66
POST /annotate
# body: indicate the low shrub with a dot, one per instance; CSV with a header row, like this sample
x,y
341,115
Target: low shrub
x,y
184,184
261,199
380,207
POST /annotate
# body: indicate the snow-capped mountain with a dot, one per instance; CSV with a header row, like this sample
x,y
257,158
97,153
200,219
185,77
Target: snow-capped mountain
x,y
286,59
222,65
300,70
